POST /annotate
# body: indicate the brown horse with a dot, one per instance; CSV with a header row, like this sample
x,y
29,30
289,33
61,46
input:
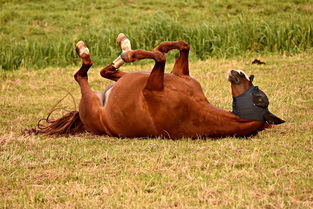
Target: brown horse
x,y
149,104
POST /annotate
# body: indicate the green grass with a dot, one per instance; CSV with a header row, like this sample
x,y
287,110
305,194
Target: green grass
x,y
37,34
270,170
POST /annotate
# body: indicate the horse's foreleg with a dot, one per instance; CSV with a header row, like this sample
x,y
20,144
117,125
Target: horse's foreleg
x,y
156,78
89,108
111,71
83,53
181,66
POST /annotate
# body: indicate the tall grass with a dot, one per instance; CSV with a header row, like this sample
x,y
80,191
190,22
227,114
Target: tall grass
x,y
225,40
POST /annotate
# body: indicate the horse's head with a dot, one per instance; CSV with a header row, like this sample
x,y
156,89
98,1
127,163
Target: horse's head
x,y
239,80
249,101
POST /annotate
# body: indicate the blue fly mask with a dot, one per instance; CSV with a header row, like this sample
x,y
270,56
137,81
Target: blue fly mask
x,y
253,105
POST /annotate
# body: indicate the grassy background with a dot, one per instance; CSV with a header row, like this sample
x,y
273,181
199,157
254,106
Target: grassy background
x,y
271,170
37,34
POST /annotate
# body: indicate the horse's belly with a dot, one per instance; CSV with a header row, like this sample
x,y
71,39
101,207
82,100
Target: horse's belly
x,y
173,112
130,124
127,114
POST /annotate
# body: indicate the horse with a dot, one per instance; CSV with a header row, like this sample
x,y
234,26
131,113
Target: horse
x,y
149,103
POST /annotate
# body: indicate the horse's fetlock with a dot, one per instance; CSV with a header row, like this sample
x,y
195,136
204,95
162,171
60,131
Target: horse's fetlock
x,y
128,56
88,63
86,60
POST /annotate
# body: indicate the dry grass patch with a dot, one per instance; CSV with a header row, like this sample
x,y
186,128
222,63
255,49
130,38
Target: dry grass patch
x,y
270,170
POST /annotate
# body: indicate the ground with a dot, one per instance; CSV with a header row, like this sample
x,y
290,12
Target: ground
x,y
270,170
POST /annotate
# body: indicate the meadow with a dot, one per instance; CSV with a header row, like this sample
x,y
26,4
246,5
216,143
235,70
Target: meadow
x,y
37,34
270,170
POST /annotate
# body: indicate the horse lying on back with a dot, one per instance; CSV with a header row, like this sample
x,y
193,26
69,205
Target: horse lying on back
x,y
153,104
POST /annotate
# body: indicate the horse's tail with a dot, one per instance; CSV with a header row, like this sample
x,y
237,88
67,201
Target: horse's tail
x,y
69,123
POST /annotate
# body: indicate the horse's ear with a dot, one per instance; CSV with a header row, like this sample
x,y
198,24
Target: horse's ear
x,y
272,119
251,77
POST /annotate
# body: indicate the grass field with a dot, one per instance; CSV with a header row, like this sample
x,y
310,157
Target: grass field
x,y
271,170
37,58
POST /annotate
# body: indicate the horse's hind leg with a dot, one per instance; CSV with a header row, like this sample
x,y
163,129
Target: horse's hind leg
x,y
89,108
156,78
181,66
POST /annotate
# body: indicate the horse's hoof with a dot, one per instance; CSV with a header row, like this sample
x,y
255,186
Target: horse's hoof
x,y
123,42
81,49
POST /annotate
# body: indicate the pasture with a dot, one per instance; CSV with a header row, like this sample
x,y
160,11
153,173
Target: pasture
x,y
270,170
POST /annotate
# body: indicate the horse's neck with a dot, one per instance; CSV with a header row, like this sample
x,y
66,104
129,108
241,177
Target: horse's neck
x,y
225,123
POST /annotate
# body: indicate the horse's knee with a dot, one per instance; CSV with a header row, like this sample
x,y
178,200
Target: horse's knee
x,y
103,73
159,57
108,70
184,46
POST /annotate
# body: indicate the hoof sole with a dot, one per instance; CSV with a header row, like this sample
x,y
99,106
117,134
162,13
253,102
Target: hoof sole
x,y
81,48
123,42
